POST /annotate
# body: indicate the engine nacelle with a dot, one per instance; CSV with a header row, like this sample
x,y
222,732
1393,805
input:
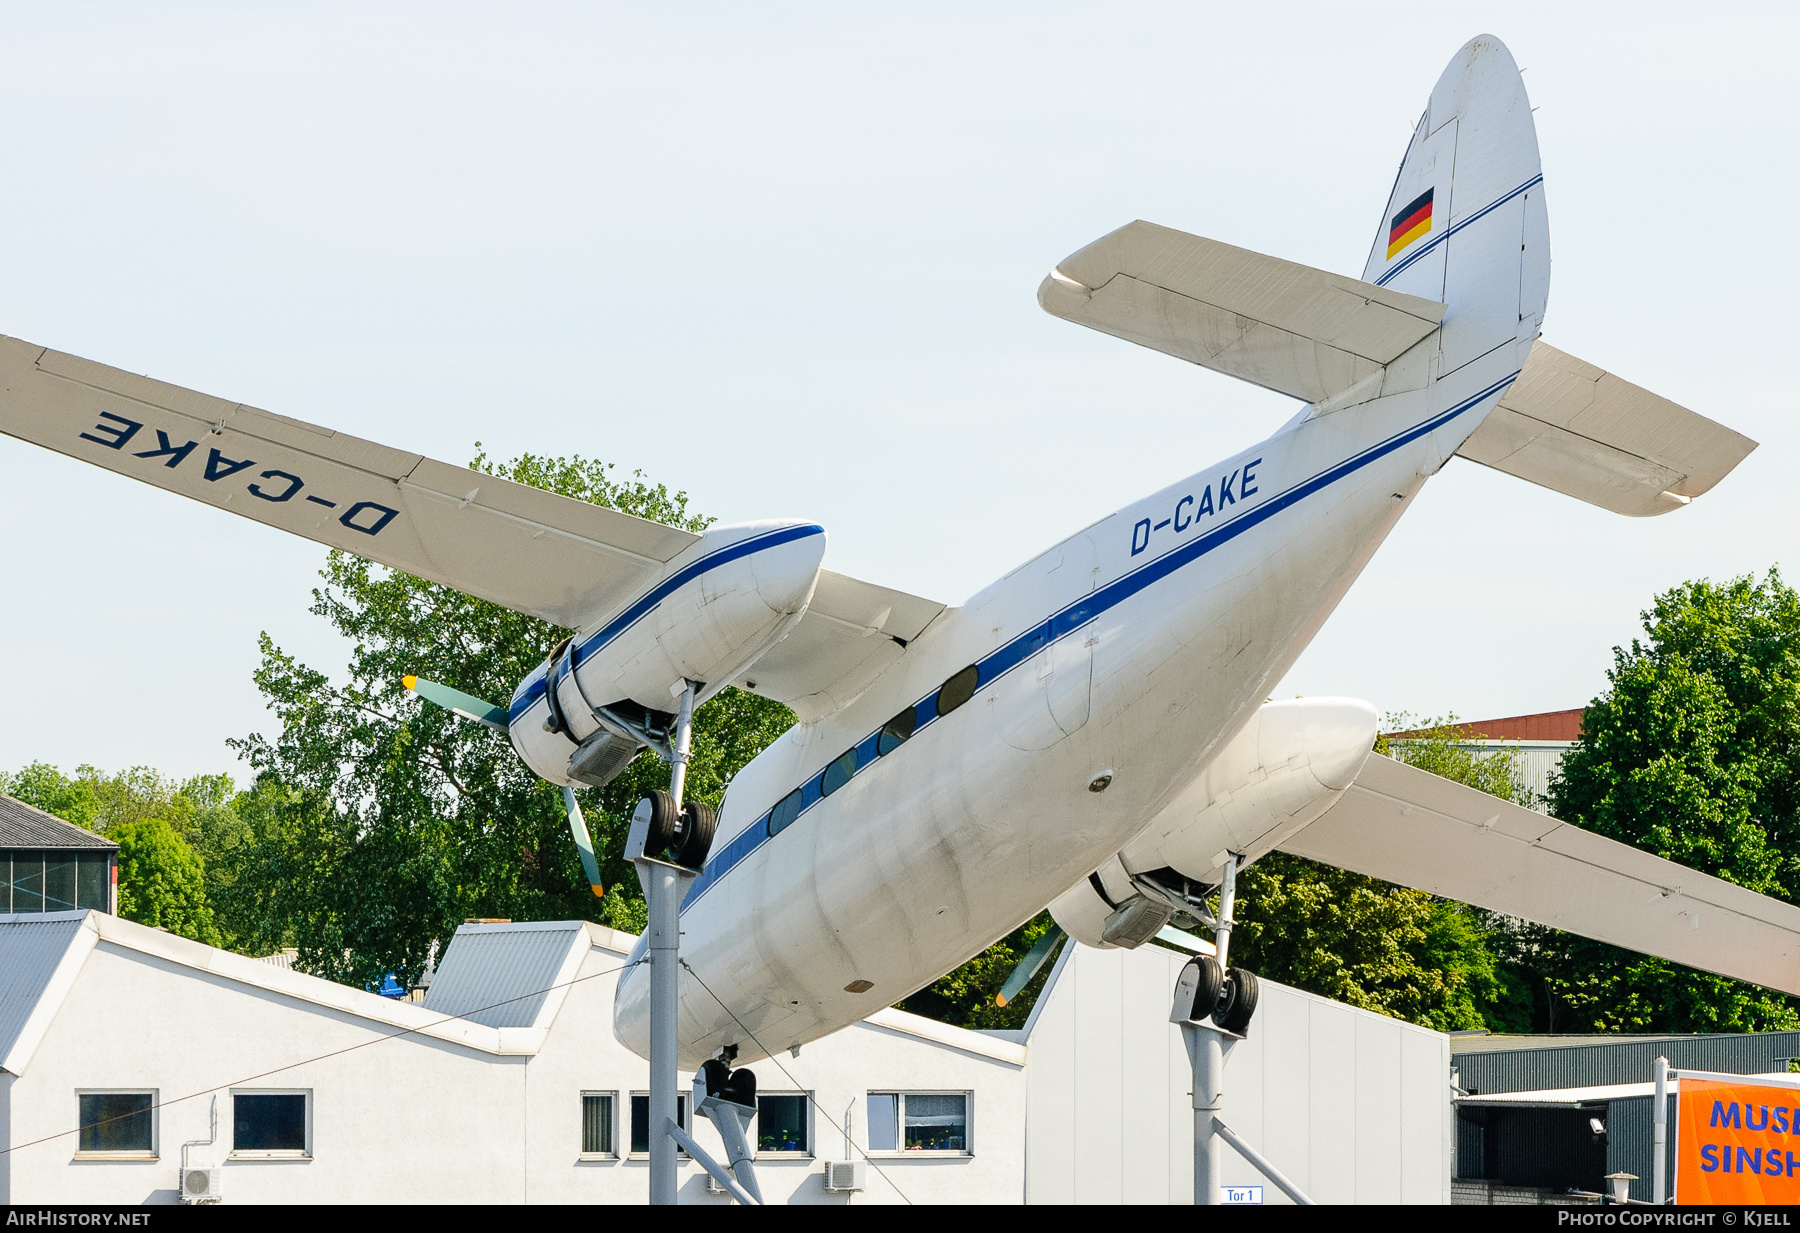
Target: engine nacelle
x,y
611,688
1291,763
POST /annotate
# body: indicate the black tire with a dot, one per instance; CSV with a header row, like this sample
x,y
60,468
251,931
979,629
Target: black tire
x,y
1209,987
1237,1005
717,1075
698,822
740,1089
660,839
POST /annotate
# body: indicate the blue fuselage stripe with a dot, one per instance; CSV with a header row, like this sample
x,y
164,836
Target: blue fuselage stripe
x,y
1076,615
1475,217
590,646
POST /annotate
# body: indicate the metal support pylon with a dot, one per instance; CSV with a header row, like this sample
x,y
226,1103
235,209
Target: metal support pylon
x,y
664,885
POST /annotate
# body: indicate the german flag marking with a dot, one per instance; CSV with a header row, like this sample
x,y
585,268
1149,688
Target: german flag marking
x,y
1412,222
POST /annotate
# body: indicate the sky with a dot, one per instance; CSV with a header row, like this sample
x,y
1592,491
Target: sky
x,y
785,257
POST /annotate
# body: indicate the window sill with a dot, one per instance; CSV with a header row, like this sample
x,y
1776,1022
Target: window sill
x,y
922,1154
270,1155
117,1156
599,1157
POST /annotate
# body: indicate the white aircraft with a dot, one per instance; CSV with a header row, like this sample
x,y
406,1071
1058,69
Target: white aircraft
x,y
1089,732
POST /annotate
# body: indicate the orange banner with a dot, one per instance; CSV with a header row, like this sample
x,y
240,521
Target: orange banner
x,y
1736,1143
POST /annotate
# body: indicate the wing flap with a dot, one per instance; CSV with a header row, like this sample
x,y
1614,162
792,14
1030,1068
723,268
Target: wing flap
x,y
850,634
1288,327
553,557
1408,826
1578,429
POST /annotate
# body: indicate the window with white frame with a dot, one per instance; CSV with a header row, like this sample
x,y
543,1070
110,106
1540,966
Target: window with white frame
x,y
273,1124
116,1123
782,1123
919,1122
598,1123
640,1120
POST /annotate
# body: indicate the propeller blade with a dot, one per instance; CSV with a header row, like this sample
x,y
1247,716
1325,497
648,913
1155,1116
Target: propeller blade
x,y
455,700
583,842
1029,965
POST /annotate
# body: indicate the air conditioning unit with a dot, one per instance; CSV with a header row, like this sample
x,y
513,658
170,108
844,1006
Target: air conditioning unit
x,y
713,1187
845,1175
201,1185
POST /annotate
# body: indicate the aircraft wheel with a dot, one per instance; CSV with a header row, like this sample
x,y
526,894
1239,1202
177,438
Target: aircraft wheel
x,y
740,1088
1238,1001
664,824
697,824
1208,985
717,1075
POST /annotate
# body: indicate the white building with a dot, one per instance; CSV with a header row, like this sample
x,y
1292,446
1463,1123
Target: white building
x,y
506,1084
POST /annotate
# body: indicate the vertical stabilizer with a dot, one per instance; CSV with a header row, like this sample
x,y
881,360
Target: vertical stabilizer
x,y
1465,223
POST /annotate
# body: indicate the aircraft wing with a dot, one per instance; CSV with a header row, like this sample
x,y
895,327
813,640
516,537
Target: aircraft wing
x,y
532,551
1304,332
850,632
1409,826
1568,425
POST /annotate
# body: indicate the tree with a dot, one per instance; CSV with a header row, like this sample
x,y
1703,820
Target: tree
x,y
378,824
199,813
161,880
1693,753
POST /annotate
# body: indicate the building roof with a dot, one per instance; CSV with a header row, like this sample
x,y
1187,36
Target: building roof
x,y
502,974
1544,726
27,826
506,981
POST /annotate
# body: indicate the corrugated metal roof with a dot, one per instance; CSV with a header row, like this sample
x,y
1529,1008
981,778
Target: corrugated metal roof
x,y
27,826
497,975
30,948
1607,1060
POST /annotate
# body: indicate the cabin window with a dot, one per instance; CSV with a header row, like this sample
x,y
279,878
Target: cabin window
x,y
117,1123
270,1123
896,732
784,813
957,690
838,773
918,1122
781,1123
597,1123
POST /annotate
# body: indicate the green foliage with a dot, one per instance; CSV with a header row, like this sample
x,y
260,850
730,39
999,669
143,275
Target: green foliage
x,y
1370,943
199,812
1692,754
162,881
380,823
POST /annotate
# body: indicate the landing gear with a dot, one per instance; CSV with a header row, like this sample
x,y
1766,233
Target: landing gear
x,y
668,843
1214,1005
1237,1001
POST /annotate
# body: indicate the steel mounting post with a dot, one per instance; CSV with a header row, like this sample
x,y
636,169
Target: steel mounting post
x,y
664,885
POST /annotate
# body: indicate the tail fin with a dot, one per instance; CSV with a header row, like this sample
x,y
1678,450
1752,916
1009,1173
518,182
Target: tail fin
x,y
1465,223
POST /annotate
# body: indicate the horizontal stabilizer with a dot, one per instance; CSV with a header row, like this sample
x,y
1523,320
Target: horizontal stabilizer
x,y
850,633
1567,425
1409,826
1303,332
533,551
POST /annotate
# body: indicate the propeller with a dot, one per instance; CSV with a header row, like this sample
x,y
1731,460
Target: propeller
x,y
457,702
1027,967
1040,952
470,707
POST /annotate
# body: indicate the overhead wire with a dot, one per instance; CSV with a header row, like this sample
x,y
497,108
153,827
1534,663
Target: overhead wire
x,y
790,1078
